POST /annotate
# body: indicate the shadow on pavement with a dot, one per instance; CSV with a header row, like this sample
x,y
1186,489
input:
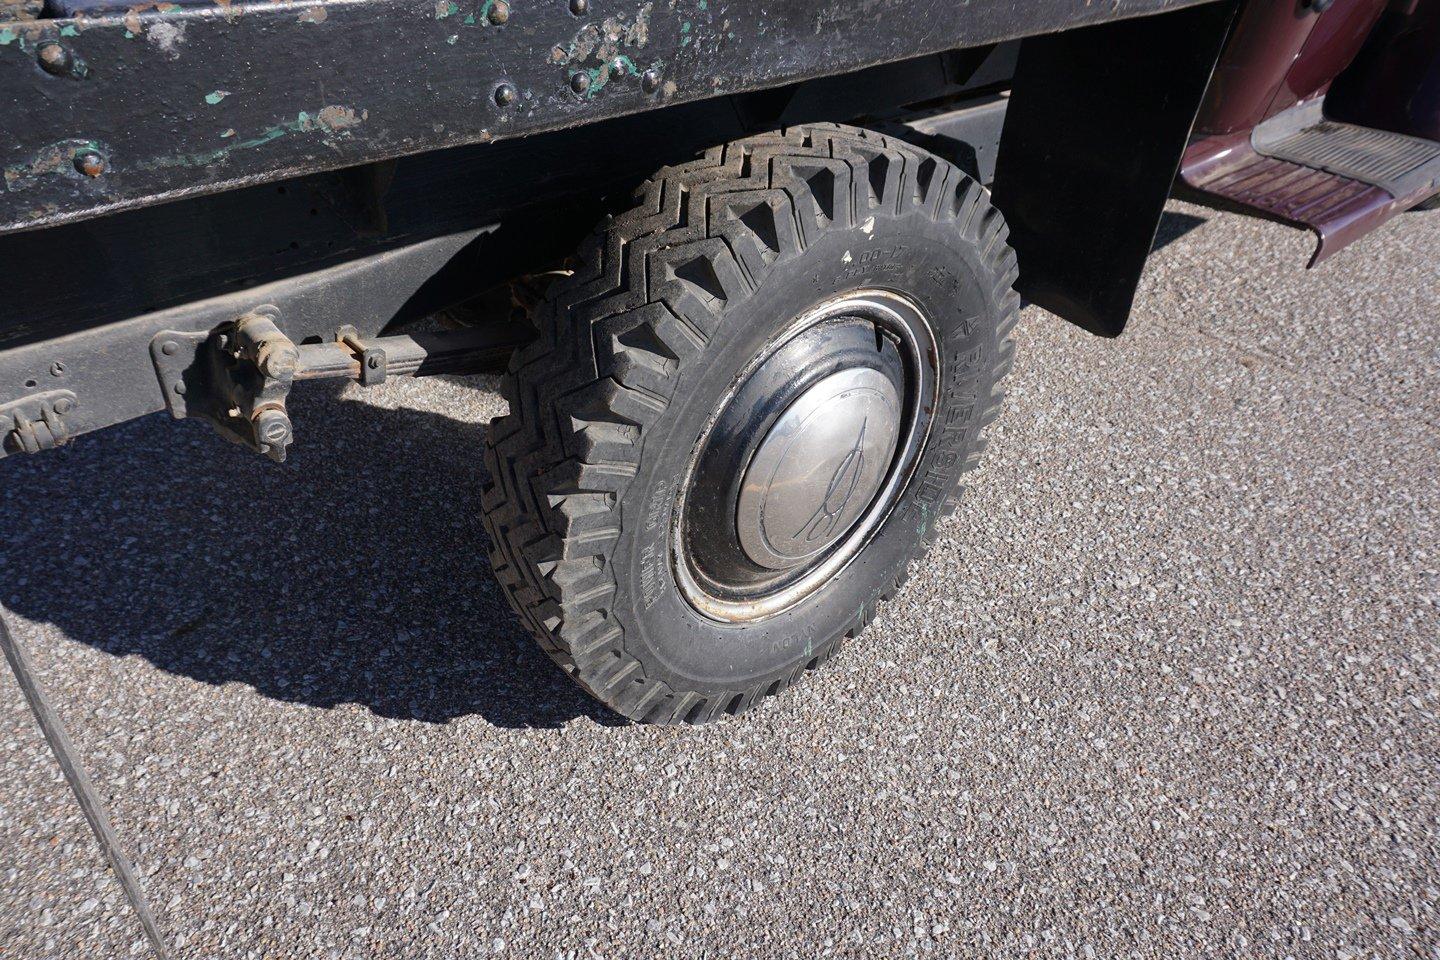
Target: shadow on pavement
x,y
1173,226
356,573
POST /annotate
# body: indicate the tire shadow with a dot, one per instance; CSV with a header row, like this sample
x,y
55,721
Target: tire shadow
x,y
355,573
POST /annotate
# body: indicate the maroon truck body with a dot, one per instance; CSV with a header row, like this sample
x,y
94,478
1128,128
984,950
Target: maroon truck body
x,y
1356,86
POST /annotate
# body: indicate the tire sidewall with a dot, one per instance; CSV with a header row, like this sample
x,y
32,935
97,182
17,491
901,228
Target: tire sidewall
x,y
947,275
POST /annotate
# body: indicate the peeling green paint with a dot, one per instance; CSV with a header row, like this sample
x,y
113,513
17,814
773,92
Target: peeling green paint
x,y
327,121
603,74
685,27
7,37
448,8
69,31
216,96
452,38
704,4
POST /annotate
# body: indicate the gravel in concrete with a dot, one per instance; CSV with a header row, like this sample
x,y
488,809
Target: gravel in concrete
x,y
1166,686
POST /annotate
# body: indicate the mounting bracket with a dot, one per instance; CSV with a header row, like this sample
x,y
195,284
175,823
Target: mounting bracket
x,y
238,376
35,423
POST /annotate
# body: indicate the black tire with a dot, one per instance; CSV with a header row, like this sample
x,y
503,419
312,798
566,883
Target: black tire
x,y
670,300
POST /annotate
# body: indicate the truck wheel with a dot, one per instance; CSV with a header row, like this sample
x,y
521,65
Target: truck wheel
x,y
744,414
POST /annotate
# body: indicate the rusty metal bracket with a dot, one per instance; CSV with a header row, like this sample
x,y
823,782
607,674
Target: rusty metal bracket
x,y
238,376
36,422
374,365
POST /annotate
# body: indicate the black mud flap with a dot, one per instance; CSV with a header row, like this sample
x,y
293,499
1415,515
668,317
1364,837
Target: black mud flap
x,y
1097,123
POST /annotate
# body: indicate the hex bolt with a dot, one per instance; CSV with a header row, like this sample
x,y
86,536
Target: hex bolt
x,y
580,82
650,80
579,7
505,95
54,58
57,369
499,12
89,163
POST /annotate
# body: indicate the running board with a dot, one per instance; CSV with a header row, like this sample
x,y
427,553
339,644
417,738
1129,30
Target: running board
x,y
1398,164
1338,179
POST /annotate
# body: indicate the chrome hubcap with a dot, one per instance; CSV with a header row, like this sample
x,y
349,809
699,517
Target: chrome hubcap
x,y
818,468
805,456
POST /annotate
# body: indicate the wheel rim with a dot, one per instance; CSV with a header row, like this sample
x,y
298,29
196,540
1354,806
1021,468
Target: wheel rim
x,y
806,455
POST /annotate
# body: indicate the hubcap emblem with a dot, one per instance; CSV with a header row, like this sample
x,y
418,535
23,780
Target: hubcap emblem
x,y
842,486
818,468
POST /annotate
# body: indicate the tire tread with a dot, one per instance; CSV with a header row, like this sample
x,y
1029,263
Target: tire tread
x,y
613,339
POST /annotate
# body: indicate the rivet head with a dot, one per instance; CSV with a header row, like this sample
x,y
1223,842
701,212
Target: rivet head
x,y
89,163
54,58
505,94
168,348
579,7
64,405
499,12
57,369
650,80
580,82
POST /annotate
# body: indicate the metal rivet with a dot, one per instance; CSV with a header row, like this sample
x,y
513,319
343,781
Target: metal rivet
x,y
180,389
579,7
580,82
64,405
54,58
505,95
89,163
168,348
650,80
499,12
57,369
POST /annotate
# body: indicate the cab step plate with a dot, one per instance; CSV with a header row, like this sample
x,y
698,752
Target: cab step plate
x,y
1399,164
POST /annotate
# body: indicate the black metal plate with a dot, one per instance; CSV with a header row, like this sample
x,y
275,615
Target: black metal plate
x,y
182,100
